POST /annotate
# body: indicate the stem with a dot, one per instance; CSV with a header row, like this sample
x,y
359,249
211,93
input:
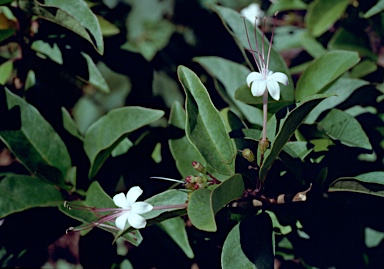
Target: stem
x,y
265,115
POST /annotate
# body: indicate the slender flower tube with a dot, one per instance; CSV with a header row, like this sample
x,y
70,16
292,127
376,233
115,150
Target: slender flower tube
x,y
129,211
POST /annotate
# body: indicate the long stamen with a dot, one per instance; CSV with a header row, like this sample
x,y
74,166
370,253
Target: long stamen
x,y
260,62
249,43
270,42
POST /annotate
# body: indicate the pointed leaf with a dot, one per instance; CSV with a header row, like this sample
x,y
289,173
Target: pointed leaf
x,y
18,193
369,183
205,127
342,89
342,126
291,123
40,149
323,71
79,10
322,14
175,228
375,9
108,131
95,77
204,204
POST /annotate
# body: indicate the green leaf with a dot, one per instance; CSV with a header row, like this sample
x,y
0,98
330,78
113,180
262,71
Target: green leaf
x,y
18,193
40,149
79,10
232,75
250,244
363,68
297,149
323,71
6,69
6,33
369,183
322,14
342,126
4,2
70,125
205,127
45,49
108,131
235,25
95,77
175,228
283,5
347,40
311,45
97,198
287,37
342,88
204,204
181,149
107,28
375,9
291,123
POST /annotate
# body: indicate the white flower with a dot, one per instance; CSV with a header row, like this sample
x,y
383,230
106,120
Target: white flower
x,y
251,12
267,80
132,208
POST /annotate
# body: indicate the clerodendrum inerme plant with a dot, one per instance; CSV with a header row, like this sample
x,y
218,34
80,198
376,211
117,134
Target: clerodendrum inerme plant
x,y
265,80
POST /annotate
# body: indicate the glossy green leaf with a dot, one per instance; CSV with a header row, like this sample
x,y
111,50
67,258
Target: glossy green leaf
x,y
204,204
6,69
18,193
283,5
122,147
41,149
95,77
342,126
369,183
235,25
342,89
360,42
108,131
175,228
291,123
250,244
322,14
81,13
323,71
232,75
69,124
377,8
205,127
181,149
96,197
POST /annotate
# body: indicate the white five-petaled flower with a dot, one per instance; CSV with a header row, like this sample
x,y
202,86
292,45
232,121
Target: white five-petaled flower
x,y
265,79
132,209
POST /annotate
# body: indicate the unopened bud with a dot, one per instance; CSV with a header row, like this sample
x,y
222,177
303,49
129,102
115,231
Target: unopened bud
x,y
190,179
189,186
248,155
200,179
199,167
263,145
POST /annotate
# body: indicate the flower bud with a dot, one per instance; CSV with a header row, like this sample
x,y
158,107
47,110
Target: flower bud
x,y
263,145
248,155
190,179
199,167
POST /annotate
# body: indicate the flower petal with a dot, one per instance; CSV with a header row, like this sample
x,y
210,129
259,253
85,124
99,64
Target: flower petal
x,y
258,87
253,76
141,207
133,194
136,221
273,89
279,77
120,200
122,220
